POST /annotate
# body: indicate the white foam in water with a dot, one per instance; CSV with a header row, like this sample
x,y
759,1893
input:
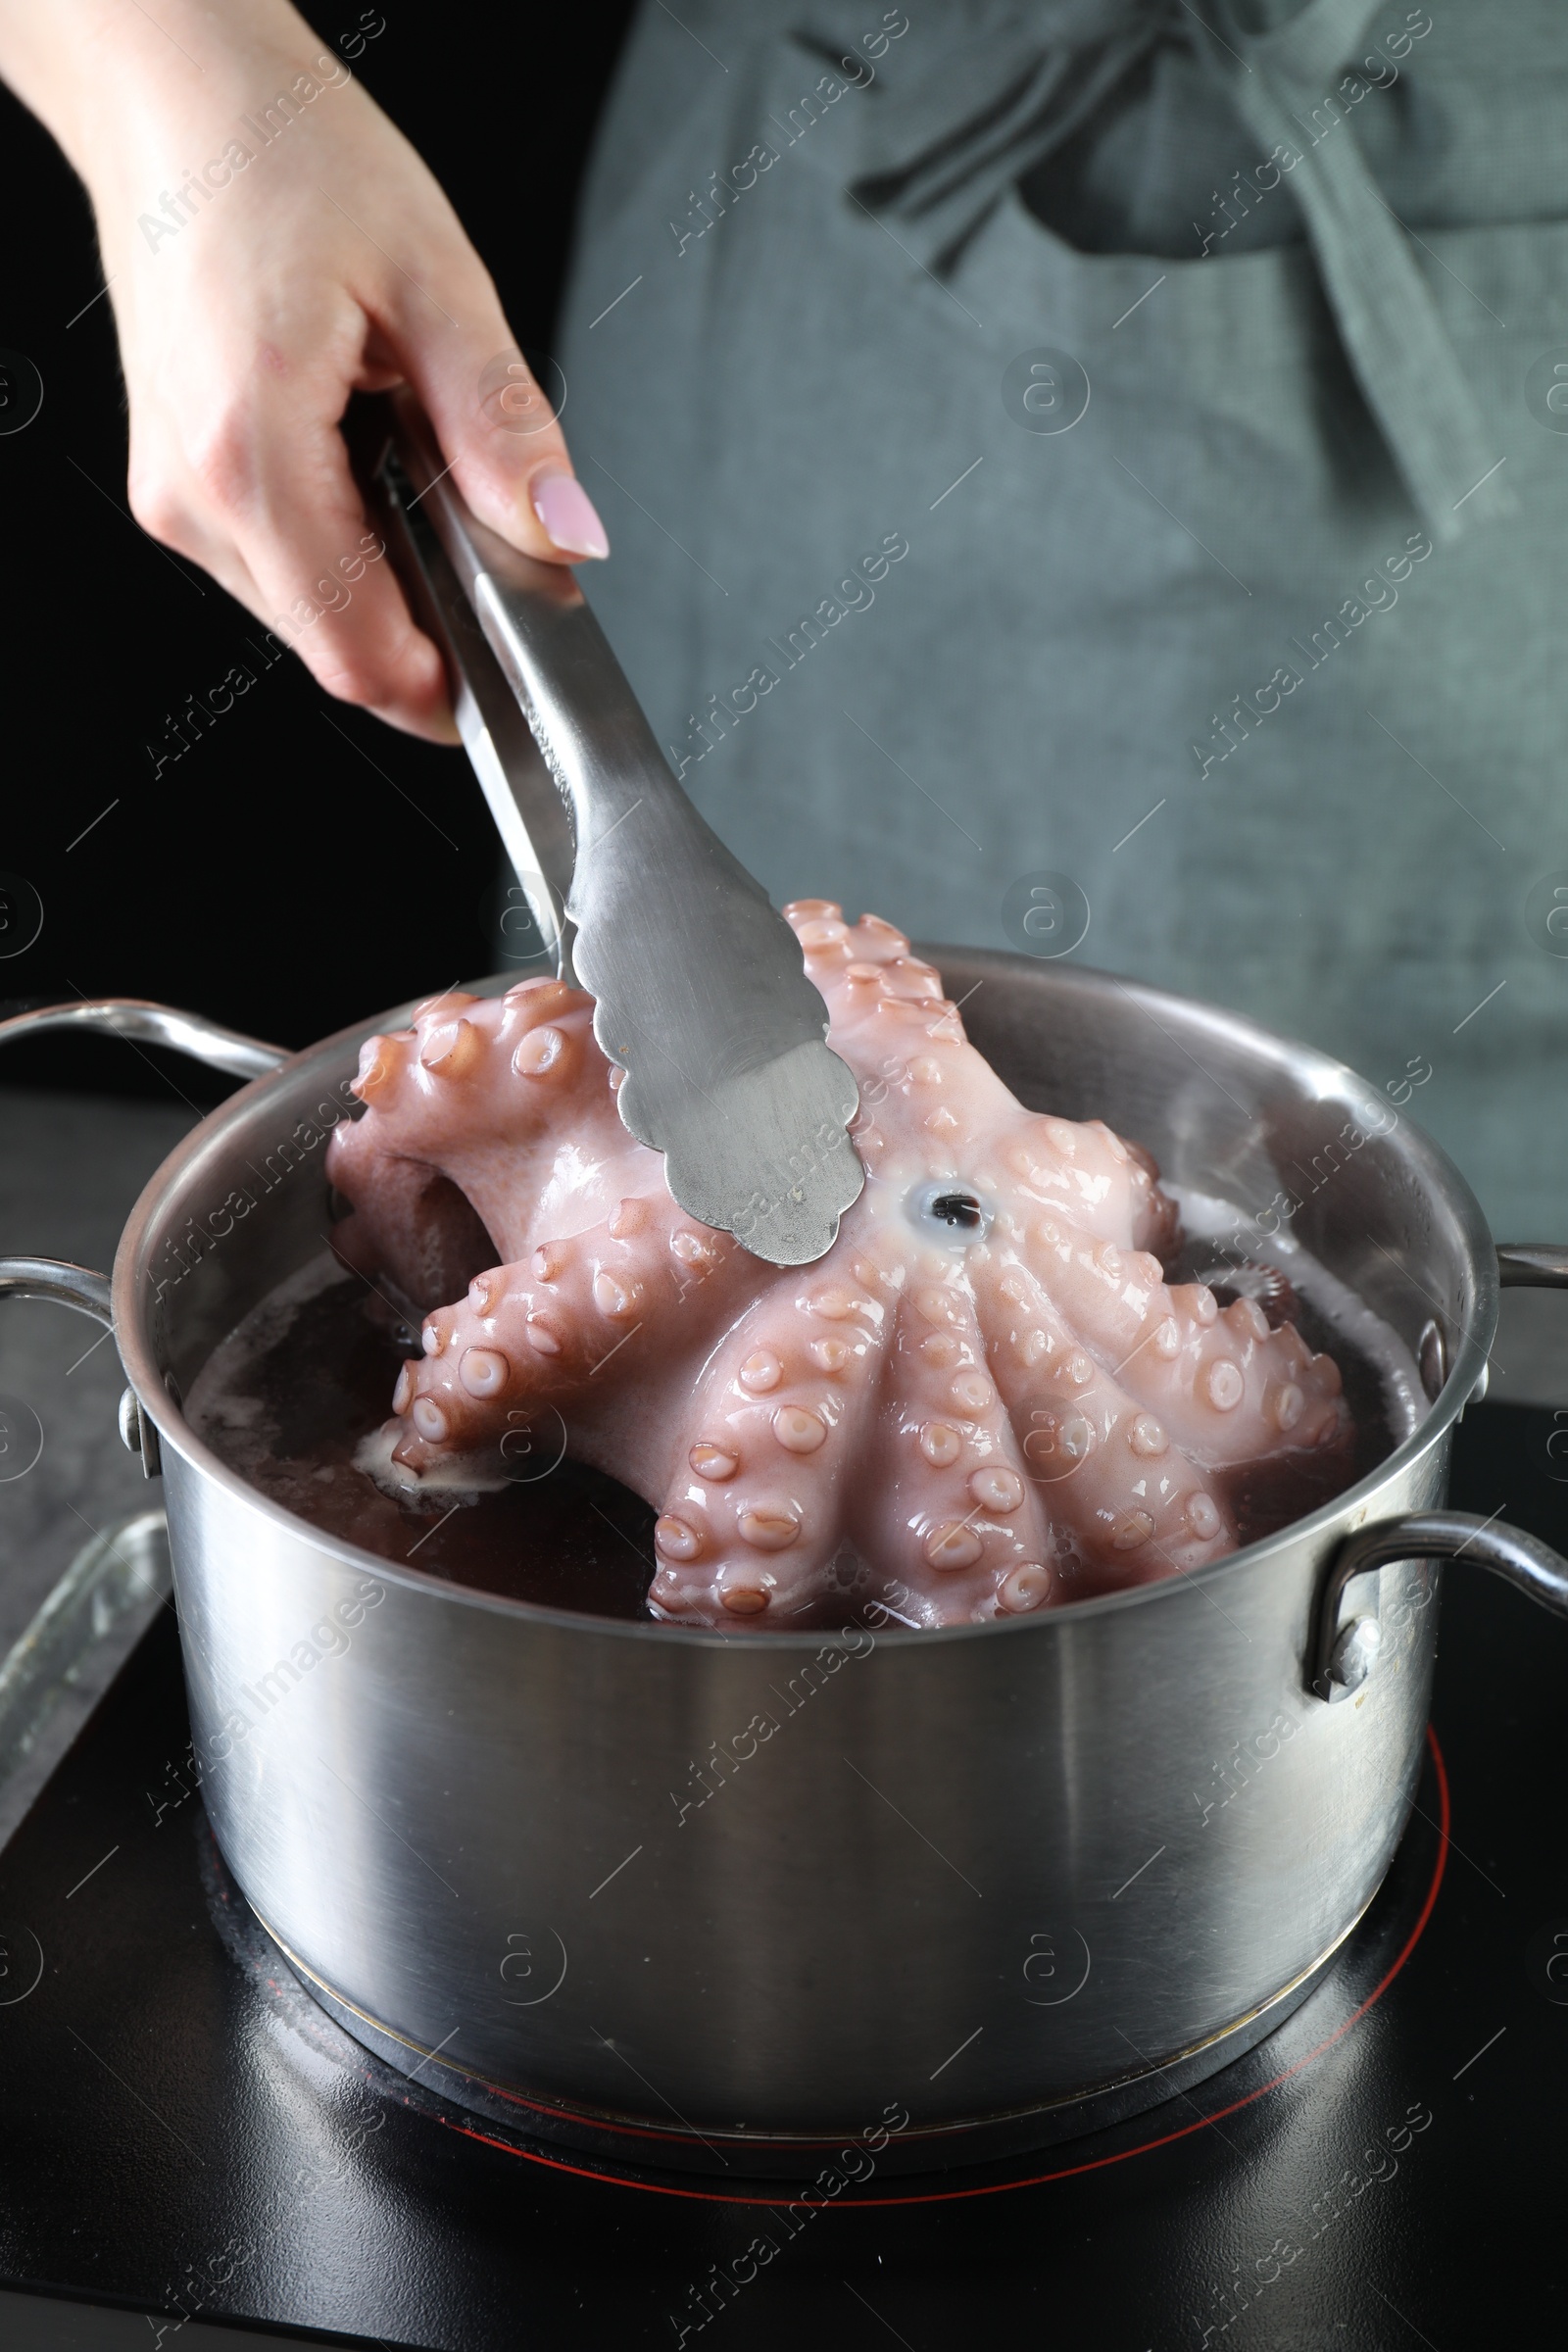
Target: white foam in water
x,y
1204,1218
463,1475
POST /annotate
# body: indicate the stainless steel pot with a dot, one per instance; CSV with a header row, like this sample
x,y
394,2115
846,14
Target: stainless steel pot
x,y
731,1899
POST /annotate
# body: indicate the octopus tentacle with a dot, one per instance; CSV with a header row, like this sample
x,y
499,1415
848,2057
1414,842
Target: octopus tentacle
x,y
756,1509
1078,1172
946,1502
1233,1388
548,1330
1105,1469
480,1093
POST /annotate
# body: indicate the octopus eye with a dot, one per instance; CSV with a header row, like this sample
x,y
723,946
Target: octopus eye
x,y
949,1212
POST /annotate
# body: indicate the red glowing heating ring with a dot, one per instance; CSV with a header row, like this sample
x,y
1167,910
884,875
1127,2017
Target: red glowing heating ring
x,y
1066,2171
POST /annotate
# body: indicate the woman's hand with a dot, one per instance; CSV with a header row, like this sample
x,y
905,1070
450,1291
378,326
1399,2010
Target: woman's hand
x,y
272,244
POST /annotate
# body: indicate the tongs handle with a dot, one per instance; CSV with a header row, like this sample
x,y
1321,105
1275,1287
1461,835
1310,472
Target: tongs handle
x,y
703,997
437,560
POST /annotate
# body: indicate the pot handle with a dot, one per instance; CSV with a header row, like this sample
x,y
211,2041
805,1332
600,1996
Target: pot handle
x,y
57,1279
129,1018
159,1025
1340,1657
1533,1266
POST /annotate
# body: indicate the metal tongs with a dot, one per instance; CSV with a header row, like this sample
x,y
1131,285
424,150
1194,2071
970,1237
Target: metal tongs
x,y
702,998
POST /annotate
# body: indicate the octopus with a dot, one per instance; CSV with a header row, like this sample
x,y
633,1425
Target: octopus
x,y
986,1394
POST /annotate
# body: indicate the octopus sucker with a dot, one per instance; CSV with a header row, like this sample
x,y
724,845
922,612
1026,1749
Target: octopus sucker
x,y
986,1390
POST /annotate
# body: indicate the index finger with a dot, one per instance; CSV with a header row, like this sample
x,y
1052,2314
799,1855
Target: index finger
x,y
498,426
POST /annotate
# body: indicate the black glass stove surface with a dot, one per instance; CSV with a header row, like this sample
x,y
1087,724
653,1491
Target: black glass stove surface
x,y
187,2136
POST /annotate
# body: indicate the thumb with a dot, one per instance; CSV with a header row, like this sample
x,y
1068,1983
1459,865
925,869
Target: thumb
x,y
499,432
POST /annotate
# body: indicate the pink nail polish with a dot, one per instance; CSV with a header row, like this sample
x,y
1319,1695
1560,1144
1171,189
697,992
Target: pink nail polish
x,y
566,511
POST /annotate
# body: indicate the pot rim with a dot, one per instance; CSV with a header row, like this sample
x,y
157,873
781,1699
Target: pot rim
x,y
1329,1079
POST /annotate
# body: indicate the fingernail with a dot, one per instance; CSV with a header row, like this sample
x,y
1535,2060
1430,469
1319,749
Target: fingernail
x,y
566,511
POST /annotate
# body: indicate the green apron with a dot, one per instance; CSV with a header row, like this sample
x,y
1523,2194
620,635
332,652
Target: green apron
x,y
1219,577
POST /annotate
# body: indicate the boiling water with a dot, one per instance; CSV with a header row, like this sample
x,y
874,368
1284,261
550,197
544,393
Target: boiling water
x,y
290,1397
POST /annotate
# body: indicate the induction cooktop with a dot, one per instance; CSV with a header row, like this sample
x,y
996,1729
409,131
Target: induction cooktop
x,y
189,2146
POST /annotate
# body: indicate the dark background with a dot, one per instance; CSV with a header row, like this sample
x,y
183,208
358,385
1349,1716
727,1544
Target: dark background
x,y
272,878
